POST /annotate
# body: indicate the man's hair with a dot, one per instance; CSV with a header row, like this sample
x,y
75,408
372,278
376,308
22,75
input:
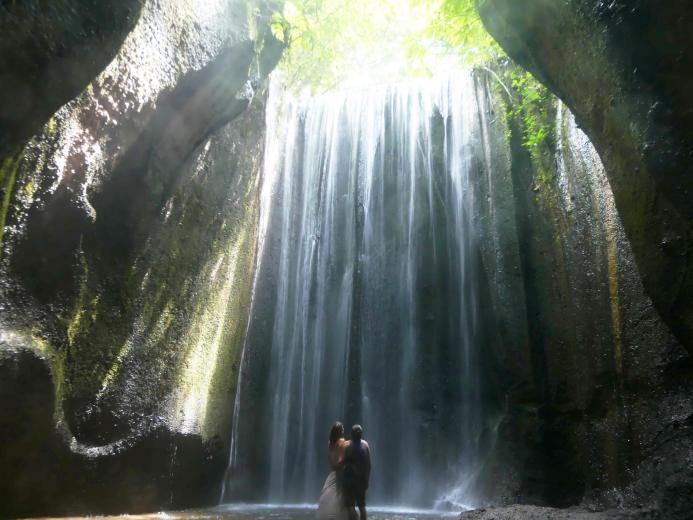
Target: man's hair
x,y
356,432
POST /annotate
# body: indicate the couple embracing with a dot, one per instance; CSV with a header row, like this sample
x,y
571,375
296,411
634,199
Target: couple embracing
x,y
346,485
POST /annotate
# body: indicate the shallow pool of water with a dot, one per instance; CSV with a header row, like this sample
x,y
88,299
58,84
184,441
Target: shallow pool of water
x,y
269,512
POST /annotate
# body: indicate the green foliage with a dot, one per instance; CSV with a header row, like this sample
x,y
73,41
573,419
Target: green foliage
x,y
531,108
457,26
331,42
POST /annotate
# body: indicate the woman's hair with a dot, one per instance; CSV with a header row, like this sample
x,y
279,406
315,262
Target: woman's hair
x,y
336,432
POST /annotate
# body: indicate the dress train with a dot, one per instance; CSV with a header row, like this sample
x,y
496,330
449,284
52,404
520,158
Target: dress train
x,y
331,505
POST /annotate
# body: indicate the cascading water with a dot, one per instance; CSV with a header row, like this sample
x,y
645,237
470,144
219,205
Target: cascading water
x,y
365,306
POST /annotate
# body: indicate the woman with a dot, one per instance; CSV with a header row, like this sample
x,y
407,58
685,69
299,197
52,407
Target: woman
x,y
331,505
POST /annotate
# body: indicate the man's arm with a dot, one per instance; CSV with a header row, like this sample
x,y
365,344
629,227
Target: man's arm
x,y
368,464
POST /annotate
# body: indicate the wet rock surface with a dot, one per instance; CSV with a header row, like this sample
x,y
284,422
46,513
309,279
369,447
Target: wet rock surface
x,y
625,423
594,389
127,256
622,67
44,474
50,53
546,513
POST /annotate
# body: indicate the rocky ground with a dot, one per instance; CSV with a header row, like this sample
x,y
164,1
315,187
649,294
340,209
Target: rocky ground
x,y
536,513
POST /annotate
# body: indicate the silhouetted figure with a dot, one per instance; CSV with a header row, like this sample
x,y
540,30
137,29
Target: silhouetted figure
x,y
356,471
332,505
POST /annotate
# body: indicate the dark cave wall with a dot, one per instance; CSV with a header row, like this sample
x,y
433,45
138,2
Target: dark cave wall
x,y
127,257
622,68
50,53
595,388
613,423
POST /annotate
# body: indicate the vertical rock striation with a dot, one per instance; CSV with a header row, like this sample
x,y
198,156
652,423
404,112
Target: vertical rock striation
x,y
622,68
597,389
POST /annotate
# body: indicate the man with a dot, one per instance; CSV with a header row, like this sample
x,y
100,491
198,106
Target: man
x,y
357,471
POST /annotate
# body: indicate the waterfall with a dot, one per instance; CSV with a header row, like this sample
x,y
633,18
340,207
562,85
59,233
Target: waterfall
x,y
366,301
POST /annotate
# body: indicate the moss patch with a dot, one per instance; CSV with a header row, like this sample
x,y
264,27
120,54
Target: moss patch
x,y
8,177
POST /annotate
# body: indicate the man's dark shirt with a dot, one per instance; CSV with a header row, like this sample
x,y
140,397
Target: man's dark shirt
x,y
357,470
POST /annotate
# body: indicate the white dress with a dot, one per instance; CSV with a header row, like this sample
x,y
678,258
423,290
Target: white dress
x,y
331,505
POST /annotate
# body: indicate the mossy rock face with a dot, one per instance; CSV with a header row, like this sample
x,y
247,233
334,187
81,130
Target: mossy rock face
x,y
50,51
41,474
623,69
592,378
130,224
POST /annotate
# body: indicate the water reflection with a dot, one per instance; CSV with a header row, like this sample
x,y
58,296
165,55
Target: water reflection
x,y
269,512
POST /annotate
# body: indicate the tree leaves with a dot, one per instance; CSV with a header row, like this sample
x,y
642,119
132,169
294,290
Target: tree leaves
x,y
457,24
333,42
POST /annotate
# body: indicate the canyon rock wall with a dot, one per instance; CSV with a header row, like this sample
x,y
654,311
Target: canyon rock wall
x,y
594,388
622,68
620,417
50,53
129,226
